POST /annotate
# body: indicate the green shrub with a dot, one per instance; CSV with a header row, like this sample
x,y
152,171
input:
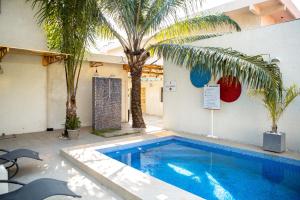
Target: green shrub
x,y
73,123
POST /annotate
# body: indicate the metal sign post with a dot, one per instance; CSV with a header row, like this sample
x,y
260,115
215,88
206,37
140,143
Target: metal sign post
x,y
212,102
212,123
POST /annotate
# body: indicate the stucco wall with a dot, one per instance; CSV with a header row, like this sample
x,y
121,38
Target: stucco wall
x,y
23,94
33,96
18,26
246,119
57,92
153,93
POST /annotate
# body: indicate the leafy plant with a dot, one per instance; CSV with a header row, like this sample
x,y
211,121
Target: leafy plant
x,y
73,123
70,25
145,28
277,101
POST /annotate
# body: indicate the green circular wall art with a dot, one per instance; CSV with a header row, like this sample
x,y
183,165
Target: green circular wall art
x,y
199,76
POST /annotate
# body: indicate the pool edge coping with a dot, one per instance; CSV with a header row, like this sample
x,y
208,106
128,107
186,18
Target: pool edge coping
x,y
115,182
112,173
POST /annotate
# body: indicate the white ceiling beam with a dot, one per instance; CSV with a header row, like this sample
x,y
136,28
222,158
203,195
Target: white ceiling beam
x,y
254,9
291,7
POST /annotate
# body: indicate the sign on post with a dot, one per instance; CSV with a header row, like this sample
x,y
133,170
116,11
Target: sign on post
x,y
170,86
212,97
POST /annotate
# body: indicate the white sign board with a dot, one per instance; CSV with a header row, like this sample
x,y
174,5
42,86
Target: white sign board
x,y
212,97
170,86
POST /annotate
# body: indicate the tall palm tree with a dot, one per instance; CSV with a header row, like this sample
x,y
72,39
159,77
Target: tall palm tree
x,y
161,27
70,25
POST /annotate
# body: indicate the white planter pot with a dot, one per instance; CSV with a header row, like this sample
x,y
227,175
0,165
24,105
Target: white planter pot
x,y
274,142
73,134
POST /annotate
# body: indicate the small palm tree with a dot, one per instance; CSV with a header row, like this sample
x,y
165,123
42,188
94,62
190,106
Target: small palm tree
x,y
276,102
161,27
70,25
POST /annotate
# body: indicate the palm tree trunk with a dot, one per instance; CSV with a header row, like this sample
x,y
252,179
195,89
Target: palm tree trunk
x,y
274,124
274,127
71,106
70,110
136,108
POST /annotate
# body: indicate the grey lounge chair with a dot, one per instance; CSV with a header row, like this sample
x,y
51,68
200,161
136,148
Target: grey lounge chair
x,y
38,190
11,158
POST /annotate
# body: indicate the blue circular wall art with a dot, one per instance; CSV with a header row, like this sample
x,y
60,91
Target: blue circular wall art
x,y
199,76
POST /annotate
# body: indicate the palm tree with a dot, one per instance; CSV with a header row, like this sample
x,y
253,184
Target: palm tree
x,y
70,25
161,27
276,102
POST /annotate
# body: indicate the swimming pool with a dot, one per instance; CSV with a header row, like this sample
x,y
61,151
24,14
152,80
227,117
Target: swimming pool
x,y
212,171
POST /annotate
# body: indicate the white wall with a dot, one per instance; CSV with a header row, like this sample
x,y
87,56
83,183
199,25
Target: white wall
x,y
18,26
23,94
32,97
153,93
23,86
57,92
246,119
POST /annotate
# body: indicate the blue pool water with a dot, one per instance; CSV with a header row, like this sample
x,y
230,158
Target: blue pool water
x,y
213,171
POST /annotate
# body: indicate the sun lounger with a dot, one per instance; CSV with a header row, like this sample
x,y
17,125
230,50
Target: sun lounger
x,y
10,158
38,190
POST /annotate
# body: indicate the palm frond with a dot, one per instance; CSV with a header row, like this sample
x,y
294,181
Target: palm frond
x,y
107,31
164,13
122,14
276,101
46,9
291,93
251,70
187,39
70,25
194,26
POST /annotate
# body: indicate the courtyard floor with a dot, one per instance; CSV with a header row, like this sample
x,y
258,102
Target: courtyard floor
x,y
55,166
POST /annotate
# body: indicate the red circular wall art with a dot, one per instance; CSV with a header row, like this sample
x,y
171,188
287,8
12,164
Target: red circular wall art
x,y
230,89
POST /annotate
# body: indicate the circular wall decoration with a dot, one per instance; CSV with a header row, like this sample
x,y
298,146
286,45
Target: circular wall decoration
x,y
230,89
199,76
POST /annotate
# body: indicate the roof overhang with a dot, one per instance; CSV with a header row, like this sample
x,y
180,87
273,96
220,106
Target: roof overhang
x,y
274,8
98,60
103,58
48,57
148,70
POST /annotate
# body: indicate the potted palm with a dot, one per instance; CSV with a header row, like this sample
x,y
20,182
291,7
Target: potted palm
x,y
73,127
276,103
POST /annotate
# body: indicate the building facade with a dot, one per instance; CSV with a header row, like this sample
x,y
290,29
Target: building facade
x,y
246,119
33,96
